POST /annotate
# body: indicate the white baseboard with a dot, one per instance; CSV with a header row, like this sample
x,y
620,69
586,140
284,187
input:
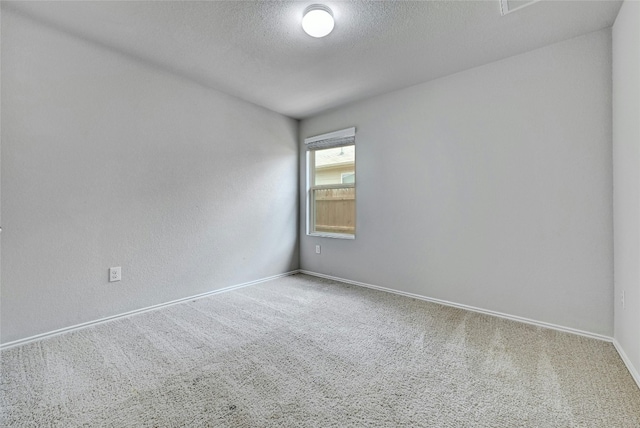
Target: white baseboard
x,y
632,370
627,362
41,336
623,355
466,307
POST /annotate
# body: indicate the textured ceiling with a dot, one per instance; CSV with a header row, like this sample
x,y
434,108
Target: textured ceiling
x,y
257,51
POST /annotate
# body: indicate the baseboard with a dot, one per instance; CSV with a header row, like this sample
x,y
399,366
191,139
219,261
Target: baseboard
x,y
623,355
466,307
49,334
627,362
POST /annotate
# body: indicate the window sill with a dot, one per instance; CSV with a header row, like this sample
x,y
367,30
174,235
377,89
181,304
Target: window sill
x,y
331,235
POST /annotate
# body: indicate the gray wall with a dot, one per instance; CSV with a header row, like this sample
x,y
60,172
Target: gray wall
x,y
490,188
107,161
626,177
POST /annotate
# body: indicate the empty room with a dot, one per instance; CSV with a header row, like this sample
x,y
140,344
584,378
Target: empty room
x,y
320,214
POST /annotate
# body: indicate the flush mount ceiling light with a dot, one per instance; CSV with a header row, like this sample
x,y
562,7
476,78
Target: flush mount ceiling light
x,y
317,20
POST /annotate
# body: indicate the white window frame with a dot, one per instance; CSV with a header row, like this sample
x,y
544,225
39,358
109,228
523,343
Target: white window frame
x,y
311,212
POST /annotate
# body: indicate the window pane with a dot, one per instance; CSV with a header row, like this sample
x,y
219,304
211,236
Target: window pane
x,y
331,164
335,210
348,177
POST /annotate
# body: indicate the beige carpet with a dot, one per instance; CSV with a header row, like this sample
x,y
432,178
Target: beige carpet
x,y
306,352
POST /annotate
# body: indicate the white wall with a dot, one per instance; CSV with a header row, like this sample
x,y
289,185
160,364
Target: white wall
x,y
490,188
107,161
626,179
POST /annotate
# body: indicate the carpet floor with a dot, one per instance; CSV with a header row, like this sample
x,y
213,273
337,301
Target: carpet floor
x,y
307,352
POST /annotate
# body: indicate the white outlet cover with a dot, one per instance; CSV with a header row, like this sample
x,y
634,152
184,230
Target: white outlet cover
x,y
115,274
317,249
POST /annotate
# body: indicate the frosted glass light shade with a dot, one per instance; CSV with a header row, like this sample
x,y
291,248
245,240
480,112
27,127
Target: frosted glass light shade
x,y
317,20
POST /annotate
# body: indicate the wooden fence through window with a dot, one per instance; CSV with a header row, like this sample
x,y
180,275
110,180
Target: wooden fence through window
x,y
335,210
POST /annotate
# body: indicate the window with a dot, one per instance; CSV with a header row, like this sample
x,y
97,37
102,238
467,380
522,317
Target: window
x,y
348,177
331,184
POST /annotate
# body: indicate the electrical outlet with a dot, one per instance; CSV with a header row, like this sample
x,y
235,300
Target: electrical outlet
x,y
115,274
317,249
622,299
